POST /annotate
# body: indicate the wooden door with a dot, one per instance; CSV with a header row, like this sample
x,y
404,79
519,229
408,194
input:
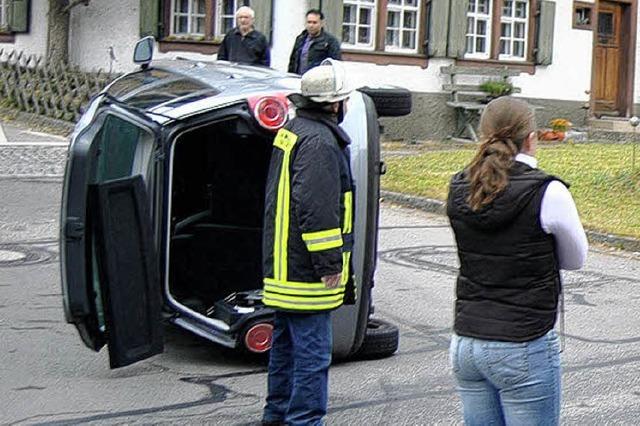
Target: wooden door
x,y
609,60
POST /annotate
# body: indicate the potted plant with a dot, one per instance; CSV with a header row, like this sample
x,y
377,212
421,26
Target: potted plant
x,y
496,88
559,127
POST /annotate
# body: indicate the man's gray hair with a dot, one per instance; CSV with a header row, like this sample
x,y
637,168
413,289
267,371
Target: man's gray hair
x,y
246,9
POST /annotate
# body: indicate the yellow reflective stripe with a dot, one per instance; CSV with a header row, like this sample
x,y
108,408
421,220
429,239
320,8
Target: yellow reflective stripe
x,y
294,291
346,257
323,240
319,235
302,304
297,284
337,242
284,140
348,213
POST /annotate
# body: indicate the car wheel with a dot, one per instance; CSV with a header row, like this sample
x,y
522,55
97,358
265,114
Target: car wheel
x,y
380,341
389,102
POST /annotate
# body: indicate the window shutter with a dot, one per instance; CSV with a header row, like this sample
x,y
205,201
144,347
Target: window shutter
x,y
438,25
546,21
150,18
457,29
19,16
262,8
333,15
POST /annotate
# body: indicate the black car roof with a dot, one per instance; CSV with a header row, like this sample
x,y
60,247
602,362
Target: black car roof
x,y
184,87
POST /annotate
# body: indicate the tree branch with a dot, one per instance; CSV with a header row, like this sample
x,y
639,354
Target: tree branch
x,y
74,3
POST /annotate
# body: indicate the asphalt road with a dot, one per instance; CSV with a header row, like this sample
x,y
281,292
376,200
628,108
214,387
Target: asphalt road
x,y
48,377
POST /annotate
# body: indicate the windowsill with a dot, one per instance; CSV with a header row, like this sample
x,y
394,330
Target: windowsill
x,y
7,37
385,58
524,66
206,47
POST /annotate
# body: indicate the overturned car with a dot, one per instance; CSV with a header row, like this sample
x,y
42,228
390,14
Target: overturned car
x,y
163,206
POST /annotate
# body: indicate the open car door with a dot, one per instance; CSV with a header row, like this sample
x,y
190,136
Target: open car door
x,y
110,281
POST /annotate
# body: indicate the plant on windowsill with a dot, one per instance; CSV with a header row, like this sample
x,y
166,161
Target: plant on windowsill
x,y
559,127
496,88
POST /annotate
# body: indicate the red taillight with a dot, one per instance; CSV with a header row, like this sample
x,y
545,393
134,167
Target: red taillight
x,y
271,112
258,337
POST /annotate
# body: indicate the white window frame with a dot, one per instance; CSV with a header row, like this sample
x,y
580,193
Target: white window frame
x,y
401,9
220,17
4,18
512,21
362,4
488,18
192,14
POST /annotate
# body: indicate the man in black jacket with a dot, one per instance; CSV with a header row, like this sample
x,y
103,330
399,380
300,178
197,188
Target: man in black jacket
x,y
244,44
307,243
313,45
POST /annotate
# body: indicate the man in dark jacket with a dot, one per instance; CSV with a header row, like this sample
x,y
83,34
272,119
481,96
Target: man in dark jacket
x,y
313,45
244,44
307,243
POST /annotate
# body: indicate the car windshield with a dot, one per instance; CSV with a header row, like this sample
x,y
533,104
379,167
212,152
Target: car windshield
x,y
151,88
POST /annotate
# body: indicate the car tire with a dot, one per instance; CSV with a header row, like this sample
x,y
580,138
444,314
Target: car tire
x,y
380,341
391,101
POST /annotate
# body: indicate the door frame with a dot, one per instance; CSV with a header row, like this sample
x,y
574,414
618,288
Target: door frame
x,y
628,56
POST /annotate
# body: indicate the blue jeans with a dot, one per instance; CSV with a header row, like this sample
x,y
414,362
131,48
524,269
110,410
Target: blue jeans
x,y
505,383
299,369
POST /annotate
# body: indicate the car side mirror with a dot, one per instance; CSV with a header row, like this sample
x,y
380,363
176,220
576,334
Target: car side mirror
x,y
143,53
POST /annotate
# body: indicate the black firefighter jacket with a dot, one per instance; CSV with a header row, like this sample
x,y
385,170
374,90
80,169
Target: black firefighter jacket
x,y
308,228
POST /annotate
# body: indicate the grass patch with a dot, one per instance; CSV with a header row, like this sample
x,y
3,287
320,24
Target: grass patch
x,y
606,190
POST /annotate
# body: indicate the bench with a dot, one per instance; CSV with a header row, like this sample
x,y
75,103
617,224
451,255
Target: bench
x,y
466,96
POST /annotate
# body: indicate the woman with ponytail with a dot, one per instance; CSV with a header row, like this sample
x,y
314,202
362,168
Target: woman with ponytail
x,y
515,227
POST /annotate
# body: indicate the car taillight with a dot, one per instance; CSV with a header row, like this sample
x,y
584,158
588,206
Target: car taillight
x,y
271,112
258,337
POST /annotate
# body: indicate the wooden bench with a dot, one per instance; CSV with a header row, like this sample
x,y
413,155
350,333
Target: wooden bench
x,y
466,96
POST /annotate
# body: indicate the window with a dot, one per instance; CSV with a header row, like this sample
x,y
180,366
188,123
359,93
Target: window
x,y
402,25
358,23
582,16
382,25
478,25
188,17
513,30
498,29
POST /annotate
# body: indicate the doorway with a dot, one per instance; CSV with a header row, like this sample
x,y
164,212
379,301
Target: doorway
x,y
614,56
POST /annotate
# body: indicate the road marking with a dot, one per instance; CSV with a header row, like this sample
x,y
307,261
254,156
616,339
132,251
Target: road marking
x,y
3,137
44,135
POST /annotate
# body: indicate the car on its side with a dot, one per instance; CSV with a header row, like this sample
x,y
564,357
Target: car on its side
x,y
163,205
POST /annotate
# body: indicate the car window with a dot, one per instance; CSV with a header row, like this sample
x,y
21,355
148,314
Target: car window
x,y
123,150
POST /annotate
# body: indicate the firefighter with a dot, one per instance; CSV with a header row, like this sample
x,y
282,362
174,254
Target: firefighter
x,y
308,238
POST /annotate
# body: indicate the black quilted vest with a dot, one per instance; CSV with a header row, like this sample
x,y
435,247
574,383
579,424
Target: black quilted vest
x,y
508,284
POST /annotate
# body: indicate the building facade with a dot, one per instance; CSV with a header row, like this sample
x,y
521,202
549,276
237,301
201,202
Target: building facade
x,y
577,59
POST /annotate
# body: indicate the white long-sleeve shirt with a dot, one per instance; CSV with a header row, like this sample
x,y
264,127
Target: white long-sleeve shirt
x,y
559,216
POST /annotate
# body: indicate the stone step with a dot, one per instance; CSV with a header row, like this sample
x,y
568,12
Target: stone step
x,y
611,124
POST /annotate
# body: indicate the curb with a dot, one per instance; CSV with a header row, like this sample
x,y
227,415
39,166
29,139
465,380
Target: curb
x,y
37,121
440,207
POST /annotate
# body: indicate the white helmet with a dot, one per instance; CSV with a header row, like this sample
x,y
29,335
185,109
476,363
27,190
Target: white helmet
x,y
325,83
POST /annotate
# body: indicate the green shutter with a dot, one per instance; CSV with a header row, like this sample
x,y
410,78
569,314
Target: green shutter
x,y
149,18
18,18
313,4
438,28
546,21
263,23
457,29
333,15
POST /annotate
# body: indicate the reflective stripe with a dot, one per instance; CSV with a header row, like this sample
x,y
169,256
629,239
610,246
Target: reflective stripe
x,y
346,257
347,226
300,304
285,290
285,140
323,240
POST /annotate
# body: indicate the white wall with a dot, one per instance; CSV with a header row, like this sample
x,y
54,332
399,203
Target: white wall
x,y
100,26
569,75
288,22
35,42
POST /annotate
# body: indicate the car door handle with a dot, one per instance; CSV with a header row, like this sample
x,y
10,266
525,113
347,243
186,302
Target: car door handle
x,y
74,229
